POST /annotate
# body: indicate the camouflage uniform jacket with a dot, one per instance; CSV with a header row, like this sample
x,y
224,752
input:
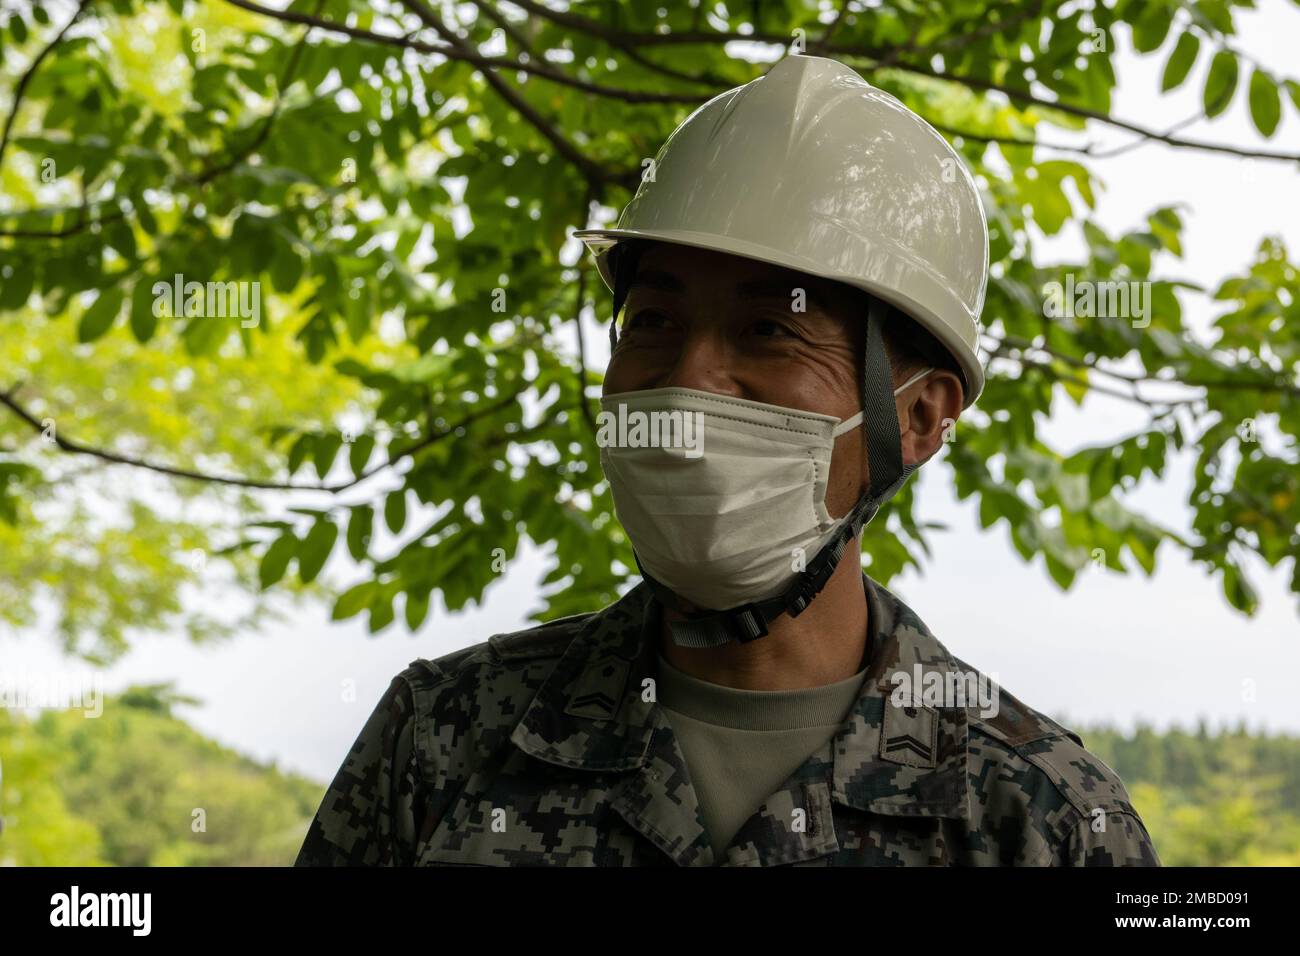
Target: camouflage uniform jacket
x,y
542,748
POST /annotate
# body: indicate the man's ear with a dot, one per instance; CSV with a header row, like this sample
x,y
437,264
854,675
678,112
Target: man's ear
x,y
927,414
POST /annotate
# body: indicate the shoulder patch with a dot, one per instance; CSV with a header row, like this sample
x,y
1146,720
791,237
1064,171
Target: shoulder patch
x,y
1016,723
1080,776
546,640
423,672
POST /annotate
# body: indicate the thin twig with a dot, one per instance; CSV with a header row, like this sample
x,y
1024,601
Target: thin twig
x,y
26,78
508,28
78,448
595,174
286,79
206,175
466,54
1236,384
883,59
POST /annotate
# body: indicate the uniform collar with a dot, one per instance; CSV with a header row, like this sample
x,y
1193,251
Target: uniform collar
x,y
595,712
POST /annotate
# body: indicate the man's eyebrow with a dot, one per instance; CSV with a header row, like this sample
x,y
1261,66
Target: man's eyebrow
x,y
781,289
654,279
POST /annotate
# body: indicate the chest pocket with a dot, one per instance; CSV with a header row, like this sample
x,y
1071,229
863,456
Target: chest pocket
x,y
515,845
529,816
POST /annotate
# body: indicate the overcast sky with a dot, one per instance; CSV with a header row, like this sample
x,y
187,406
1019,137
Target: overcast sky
x,y
1115,648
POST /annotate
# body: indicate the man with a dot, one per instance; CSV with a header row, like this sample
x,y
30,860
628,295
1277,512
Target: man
x,y
800,284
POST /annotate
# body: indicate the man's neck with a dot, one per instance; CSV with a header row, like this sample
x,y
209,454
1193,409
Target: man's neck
x,y
823,645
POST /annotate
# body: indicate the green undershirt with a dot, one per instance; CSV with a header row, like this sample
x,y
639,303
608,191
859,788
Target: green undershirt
x,y
741,745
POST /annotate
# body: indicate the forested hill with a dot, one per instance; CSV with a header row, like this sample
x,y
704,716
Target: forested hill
x,y
1210,798
138,786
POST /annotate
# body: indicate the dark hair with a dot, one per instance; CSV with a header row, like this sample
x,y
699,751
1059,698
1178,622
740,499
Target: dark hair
x,y
912,347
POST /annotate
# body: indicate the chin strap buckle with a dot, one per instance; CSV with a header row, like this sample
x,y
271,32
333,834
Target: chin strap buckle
x,y
813,581
746,623
739,625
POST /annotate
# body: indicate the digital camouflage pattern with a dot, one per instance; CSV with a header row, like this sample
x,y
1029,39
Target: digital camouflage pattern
x,y
545,748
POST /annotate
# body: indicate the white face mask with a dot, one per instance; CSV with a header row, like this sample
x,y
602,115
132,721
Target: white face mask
x,y
724,499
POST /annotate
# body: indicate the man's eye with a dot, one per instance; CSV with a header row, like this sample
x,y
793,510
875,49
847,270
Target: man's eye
x,y
646,319
770,328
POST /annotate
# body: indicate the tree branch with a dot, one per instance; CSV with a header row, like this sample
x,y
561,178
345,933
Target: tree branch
x,y
883,59
26,78
1026,97
508,28
1236,384
1130,396
202,178
1085,150
286,79
466,54
77,448
614,39
595,174
960,40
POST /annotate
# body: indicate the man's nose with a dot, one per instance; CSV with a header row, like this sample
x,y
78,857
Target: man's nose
x,y
704,363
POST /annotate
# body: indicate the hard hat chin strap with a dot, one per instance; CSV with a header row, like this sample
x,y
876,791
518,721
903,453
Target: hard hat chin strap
x,y
626,256
885,458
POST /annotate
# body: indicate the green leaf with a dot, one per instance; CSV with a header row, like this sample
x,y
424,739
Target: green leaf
x,y
395,511
12,474
316,549
1180,61
1265,103
353,369
286,268
1293,90
1061,573
359,453
299,450
427,368
276,559
381,611
1101,478
143,322
121,237
1076,386
354,600
1144,555
417,609
360,526
99,318
1152,27
327,446
1238,590
1166,225
15,290
1221,83
144,214
205,334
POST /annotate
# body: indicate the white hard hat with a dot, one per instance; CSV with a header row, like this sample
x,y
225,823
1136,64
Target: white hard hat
x,y
812,168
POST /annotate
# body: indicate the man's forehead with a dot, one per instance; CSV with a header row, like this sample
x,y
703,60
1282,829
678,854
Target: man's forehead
x,y
669,267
